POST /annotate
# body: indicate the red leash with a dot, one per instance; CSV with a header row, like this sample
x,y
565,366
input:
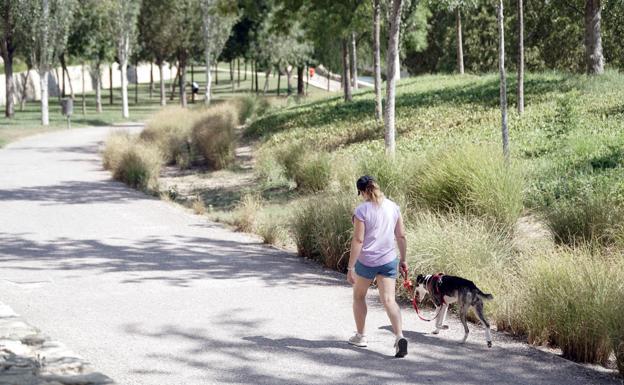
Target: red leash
x,y
407,283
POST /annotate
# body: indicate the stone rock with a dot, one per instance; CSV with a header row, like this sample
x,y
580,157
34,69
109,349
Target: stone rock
x,y
82,379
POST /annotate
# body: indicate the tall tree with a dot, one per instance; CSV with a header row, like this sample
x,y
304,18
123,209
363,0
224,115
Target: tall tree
x,y
157,36
593,38
456,6
377,58
520,57
47,23
124,21
91,39
354,74
186,16
9,32
393,53
218,18
503,80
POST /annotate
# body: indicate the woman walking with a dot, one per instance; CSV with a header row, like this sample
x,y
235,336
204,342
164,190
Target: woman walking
x,y
378,224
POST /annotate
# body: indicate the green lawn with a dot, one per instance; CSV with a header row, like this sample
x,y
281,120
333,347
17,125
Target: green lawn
x,y
27,122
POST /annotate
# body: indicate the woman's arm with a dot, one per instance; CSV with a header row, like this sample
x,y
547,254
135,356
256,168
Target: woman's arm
x,y
399,233
356,247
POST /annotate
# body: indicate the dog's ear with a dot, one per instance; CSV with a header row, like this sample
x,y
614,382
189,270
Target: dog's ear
x,y
420,278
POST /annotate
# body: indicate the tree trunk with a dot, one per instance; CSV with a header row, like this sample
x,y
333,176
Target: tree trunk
x,y
252,79
376,59
182,80
300,82
267,73
503,81
136,85
71,86
354,61
217,73
279,79
59,84
208,92
460,42
125,113
151,85
9,110
25,88
62,76
232,75
593,39
43,82
393,53
174,82
288,78
110,81
98,88
520,57
192,84
346,76
256,71
163,96
245,71
84,98
238,72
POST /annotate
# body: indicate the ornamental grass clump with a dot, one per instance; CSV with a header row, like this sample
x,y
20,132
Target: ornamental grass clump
x,y
213,135
472,180
322,229
139,167
569,301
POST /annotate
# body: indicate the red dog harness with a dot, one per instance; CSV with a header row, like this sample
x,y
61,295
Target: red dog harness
x,y
433,287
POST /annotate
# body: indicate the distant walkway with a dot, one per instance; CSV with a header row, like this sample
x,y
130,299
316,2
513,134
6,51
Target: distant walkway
x,y
151,294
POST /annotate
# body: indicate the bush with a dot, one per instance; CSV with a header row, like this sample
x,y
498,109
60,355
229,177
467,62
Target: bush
x,y
322,229
170,130
139,167
246,212
213,136
311,172
569,293
250,107
472,248
474,180
115,146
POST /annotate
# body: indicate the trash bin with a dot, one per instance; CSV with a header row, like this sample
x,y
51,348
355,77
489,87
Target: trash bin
x,y
67,106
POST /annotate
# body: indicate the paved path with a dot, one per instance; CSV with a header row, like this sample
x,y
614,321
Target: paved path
x,y
151,294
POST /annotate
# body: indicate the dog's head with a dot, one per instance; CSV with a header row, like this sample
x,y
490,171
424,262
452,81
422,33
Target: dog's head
x,y
420,289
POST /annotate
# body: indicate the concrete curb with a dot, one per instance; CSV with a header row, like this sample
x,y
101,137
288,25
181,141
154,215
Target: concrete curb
x,y
27,357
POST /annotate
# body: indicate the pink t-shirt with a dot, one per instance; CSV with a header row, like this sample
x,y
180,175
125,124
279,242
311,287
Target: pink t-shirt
x,y
379,245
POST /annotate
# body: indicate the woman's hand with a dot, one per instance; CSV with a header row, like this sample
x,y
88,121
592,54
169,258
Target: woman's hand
x,y
350,277
403,268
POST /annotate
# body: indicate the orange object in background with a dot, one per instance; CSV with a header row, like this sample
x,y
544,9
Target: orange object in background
x,y
311,71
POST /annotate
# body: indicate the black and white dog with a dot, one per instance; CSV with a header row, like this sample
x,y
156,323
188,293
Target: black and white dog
x,y
447,289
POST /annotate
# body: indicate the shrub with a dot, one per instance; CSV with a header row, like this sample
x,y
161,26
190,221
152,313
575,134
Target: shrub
x,y
170,130
568,296
322,229
311,172
246,212
116,145
198,206
271,233
139,167
249,107
471,248
474,180
213,135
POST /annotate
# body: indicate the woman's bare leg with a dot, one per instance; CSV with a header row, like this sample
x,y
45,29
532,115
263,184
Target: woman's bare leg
x,y
359,301
387,296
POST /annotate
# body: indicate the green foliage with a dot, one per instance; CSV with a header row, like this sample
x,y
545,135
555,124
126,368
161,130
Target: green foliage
x,y
310,171
213,135
568,296
472,180
322,229
251,107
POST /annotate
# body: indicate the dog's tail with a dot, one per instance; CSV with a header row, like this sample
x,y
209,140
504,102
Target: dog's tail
x,y
487,297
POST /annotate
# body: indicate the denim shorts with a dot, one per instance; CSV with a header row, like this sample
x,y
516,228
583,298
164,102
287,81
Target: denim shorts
x,y
390,270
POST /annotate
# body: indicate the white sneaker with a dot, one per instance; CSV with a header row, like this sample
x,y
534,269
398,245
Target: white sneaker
x,y
358,340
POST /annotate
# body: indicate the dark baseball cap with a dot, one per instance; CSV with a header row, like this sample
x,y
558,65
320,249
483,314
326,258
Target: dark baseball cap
x,y
363,182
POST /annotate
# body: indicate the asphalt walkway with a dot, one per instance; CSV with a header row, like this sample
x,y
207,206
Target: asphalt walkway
x,y
151,294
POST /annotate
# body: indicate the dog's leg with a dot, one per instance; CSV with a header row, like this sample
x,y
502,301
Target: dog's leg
x,y
462,316
440,319
438,323
479,311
